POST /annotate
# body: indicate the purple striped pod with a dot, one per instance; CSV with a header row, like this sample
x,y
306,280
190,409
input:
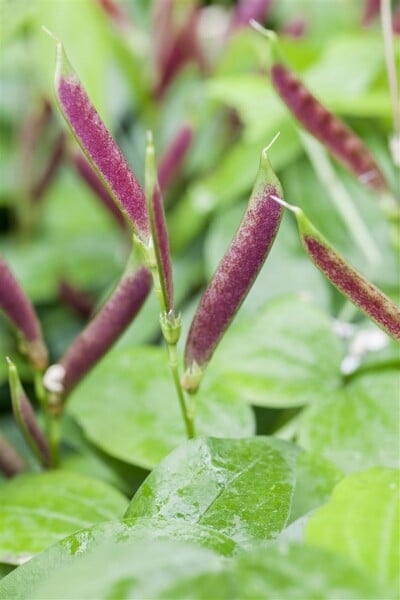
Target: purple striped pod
x,y
101,333
99,147
160,241
235,274
366,296
90,177
331,131
11,463
26,419
18,308
174,155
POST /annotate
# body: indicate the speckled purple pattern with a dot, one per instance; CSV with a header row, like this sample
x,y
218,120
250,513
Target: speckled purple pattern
x,y
18,308
174,155
327,128
28,418
91,178
103,152
358,289
105,328
234,277
161,244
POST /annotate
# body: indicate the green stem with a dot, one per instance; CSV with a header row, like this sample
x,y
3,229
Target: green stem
x,y
187,417
52,421
53,435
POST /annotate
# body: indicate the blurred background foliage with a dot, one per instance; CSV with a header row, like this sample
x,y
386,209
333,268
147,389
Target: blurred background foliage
x,y
158,65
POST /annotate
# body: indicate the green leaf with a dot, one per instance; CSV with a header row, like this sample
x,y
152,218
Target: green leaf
x,y
356,428
315,479
112,561
108,560
242,488
285,355
362,523
38,510
128,407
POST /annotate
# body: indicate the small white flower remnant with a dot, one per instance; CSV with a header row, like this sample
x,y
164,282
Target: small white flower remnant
x,y
53,378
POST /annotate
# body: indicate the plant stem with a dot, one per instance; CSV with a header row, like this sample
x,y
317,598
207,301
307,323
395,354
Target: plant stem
x,y
53,435
52,421
187,416
387,32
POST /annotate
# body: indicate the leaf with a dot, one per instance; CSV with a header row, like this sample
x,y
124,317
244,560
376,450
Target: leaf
x,y
285,355
242,488
356,428
103,564
127,406
37,510
315,479
104,558
361,523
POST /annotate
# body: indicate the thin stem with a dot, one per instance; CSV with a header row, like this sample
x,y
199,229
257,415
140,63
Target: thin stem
x,y
53,434
187,417
52,421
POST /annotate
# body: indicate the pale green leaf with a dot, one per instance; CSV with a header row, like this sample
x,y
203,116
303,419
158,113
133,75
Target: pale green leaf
x,y
128,407
38,510
361,523
357,427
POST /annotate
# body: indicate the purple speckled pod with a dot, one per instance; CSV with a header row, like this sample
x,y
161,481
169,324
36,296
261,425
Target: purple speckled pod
x,y
235,273
331,131
80,302
105,328
18,308
92,180
367,297
26,419
174,155
99,147
159,229
11,463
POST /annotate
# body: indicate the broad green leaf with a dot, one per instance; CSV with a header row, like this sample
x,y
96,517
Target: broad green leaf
x,y
117,559
38,510
242,488
362,523
287,269
125,565
128,407
315,479
5,570
357,427
285,355
284,572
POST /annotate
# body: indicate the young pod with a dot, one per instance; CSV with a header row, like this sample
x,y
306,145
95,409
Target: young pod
x,y
366,296
331,131
18,308
26,419
101,333
99,147
11,463
235,274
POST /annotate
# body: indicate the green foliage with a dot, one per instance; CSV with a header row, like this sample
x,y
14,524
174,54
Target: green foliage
x,y
297,499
